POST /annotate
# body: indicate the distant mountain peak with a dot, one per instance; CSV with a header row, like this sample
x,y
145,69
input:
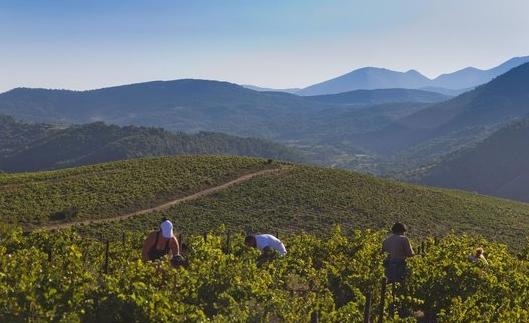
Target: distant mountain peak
x,y
370,78
412,71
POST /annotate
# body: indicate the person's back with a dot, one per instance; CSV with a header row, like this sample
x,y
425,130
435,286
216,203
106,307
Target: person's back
x,y
264,241
397,246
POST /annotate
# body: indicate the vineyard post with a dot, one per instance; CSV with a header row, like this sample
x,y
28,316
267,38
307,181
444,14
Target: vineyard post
x,y
228,246
382,300
106,256
367,307
180,240
315,317
393,301
205,236
50,254
123,238
436,241
277,234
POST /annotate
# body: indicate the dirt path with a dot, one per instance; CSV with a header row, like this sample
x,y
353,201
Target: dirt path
x,y
167,205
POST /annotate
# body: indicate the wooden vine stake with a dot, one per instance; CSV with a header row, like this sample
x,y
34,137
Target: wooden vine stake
x,y
382,300
228,242
367,307
314,317
107,244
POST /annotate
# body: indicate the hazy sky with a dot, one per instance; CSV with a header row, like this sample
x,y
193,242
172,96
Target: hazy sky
x,y
81,44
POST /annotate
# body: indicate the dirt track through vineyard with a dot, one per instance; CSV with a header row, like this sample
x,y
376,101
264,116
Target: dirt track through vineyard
x,y
206,192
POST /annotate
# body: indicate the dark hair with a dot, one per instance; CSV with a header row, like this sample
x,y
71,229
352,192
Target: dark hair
x,y
398,228
249,238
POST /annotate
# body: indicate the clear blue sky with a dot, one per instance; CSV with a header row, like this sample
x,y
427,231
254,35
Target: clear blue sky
x,y
81,44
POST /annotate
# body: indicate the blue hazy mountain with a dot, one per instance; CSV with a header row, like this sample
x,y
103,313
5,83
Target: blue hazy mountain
x,y
471,77
381,78
491,105
368,78
202,105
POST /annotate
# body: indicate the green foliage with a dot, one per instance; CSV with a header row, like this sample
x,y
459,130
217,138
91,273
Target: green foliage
x,y
115,188
59,277
315,199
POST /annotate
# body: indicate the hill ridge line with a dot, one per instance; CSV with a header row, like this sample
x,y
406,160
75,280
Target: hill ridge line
x,y
166,205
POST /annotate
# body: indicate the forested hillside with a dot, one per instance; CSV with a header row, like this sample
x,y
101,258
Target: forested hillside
x,y
31,147
497,166
380,96
16,135
325,127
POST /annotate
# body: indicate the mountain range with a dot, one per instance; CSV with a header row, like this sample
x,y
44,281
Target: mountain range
x,y
31,147
309,123
380,78
488,106
381,131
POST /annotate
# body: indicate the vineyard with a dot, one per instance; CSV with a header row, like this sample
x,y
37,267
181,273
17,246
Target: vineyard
x,y
62,277
111,189
331,273
314,200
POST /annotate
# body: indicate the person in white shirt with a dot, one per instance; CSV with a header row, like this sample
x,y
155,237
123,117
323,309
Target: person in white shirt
x,y
265,241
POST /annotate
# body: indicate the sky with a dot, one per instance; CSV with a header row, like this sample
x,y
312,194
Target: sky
x,y
85,44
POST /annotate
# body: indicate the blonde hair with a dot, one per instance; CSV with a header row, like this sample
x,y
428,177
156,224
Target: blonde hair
x,y
479,251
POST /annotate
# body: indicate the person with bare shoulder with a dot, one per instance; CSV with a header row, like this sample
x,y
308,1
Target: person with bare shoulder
x,y
398,248
160,243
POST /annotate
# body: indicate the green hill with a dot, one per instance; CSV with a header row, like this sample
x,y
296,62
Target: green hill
x,y
33,147
111,189
497,166
315,199
296,198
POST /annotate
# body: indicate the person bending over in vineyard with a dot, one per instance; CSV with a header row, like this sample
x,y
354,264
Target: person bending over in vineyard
x,y
159,243
479,257
265,243
398,248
